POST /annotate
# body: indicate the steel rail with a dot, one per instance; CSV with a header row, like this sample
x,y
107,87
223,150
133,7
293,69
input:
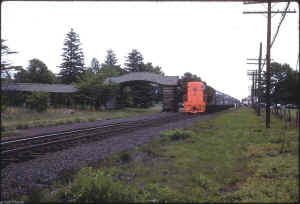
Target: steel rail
x,y
122,125
37,137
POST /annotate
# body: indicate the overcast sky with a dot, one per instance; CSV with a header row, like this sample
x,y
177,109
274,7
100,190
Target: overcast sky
x,y
211,40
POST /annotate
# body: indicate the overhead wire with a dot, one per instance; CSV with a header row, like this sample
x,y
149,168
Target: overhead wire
x,y
278,27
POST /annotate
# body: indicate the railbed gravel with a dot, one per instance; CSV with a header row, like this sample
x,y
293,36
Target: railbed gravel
x,y
20,178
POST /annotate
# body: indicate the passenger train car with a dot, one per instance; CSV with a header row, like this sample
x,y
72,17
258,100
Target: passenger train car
x,y
200,98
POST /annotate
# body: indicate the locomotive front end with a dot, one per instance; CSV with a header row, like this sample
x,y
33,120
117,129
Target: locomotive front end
x,y
195,102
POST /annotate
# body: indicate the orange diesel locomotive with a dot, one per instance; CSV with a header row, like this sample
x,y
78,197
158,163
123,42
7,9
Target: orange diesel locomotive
x,y
195,102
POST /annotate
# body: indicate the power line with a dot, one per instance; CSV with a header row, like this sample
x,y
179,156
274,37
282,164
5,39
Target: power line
x,y
281,20
278,27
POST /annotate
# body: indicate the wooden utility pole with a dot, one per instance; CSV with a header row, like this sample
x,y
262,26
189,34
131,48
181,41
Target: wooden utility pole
x,y
299,64
259,80
253,90
252,74
268,67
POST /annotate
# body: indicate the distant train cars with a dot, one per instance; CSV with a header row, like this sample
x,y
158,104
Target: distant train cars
x,y
200,99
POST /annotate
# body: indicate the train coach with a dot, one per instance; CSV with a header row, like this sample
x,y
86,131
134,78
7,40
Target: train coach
x,y
200,99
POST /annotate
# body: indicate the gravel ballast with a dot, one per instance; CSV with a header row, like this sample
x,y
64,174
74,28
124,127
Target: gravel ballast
x,y
19,178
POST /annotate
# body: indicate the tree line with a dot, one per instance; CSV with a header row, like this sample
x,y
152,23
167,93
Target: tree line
x,y
88,79
92,91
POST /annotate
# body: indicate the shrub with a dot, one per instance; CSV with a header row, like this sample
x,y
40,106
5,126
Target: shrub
x,y
158,193
203,181
94,186
125,156
3,108
38,101
176,134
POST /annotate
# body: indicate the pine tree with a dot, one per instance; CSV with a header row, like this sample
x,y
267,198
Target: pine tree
x,y
6,66
95,65
73,59
134,61
111,58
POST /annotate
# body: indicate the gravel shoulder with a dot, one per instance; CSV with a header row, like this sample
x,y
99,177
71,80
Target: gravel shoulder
x,y
17,179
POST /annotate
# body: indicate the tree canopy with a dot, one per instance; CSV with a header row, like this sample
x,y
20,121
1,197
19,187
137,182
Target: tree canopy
x,y
111,58
284,84
134,61
95,65
37,72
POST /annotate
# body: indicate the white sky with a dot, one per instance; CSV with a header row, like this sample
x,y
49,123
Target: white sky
x,y
211,40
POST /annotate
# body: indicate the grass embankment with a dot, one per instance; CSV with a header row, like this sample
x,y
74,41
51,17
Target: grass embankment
x,y
16,118
230,158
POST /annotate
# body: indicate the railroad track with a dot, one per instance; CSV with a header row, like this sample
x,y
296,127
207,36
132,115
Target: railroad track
x,y
22,149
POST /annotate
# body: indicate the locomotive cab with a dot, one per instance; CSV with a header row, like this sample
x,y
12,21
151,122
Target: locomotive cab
x,y
195,102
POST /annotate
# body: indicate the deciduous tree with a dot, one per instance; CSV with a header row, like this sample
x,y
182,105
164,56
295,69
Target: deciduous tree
x,y
37,72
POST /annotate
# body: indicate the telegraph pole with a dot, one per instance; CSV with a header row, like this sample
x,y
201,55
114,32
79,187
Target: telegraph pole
x,y
299,64
268,69
253,74
259,79
253,90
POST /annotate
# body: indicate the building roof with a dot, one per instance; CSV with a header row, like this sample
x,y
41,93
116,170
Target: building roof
x,y
145,76
54,88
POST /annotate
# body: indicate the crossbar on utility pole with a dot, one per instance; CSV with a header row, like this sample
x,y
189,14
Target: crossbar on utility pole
x,y
255,59
264,12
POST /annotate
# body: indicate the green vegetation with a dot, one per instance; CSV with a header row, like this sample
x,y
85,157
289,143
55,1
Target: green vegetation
x,y
231,158
72,66
16,118
175,134
37,72
38,101
284,84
